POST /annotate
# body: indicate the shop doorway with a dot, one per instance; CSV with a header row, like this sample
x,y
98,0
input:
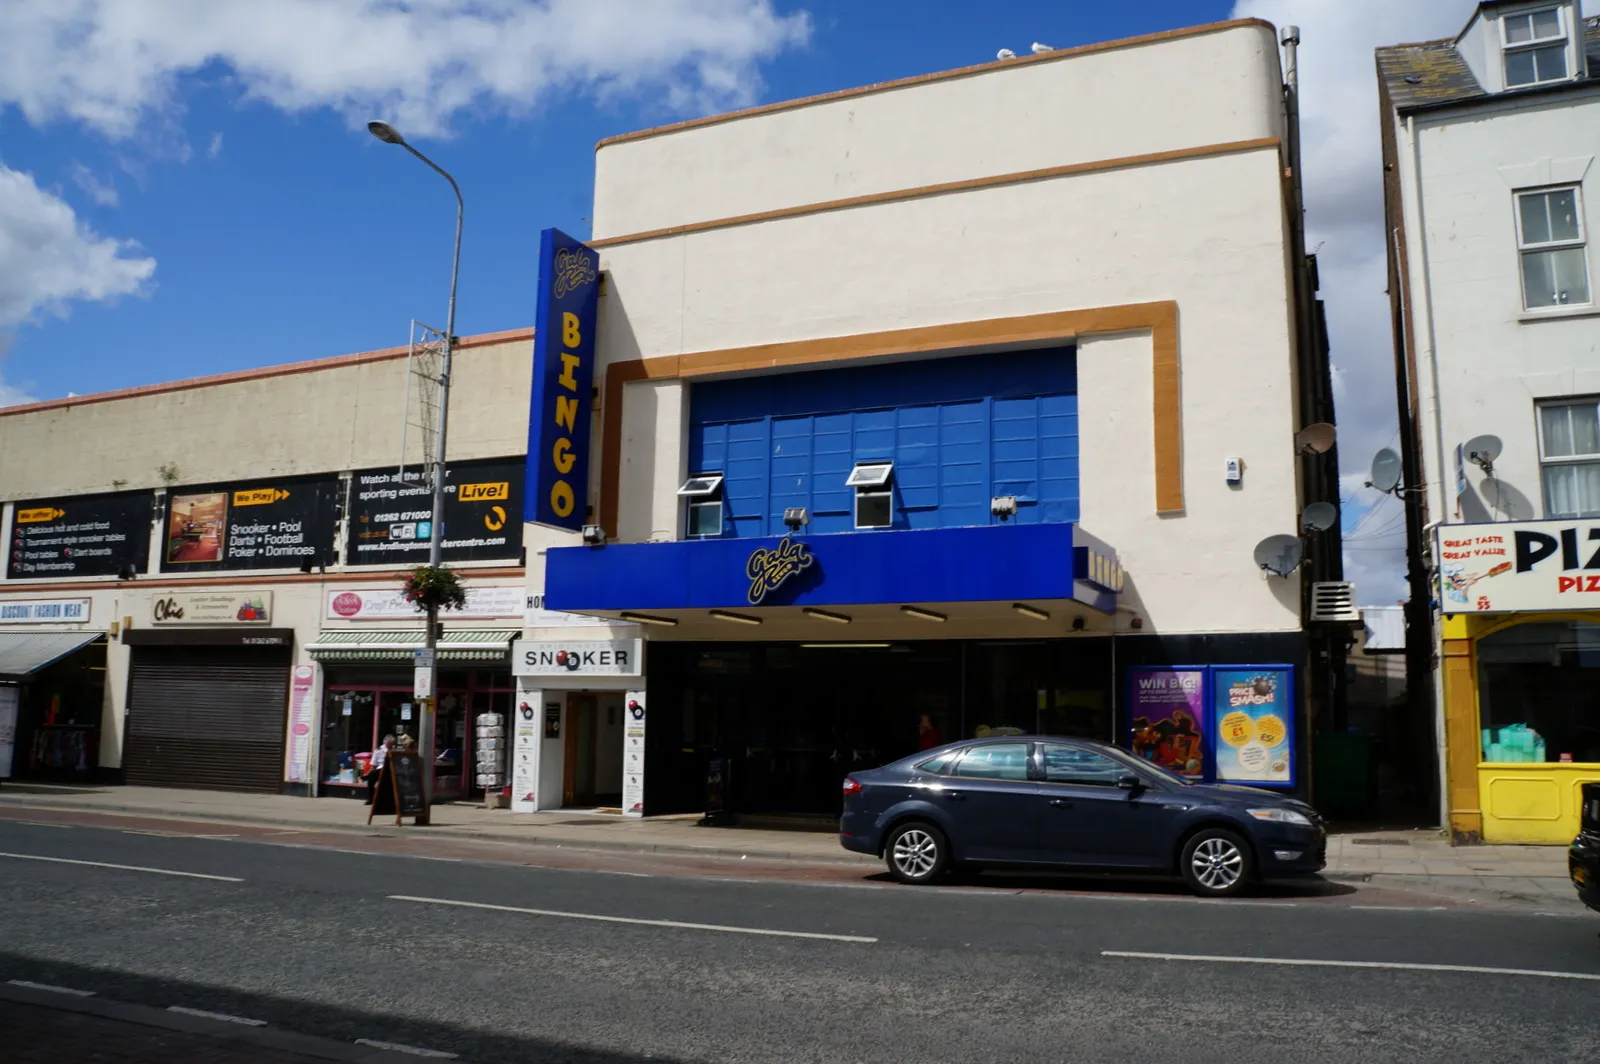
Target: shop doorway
x,y
592,769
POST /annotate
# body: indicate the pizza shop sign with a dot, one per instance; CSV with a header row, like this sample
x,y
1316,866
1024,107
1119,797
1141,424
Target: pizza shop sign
x,y
1519,565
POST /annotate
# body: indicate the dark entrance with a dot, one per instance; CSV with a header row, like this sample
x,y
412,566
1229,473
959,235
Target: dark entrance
x,y
794,719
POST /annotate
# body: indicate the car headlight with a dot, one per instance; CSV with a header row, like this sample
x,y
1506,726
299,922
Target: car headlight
x,y
1281,816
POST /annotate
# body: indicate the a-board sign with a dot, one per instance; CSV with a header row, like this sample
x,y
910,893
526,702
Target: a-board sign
x,y
399,790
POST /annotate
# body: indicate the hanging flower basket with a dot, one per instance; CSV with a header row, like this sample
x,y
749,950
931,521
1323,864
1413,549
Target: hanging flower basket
x,y
434,588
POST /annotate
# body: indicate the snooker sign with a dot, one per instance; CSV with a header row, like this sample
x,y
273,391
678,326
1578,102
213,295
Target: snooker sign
x,y
563,383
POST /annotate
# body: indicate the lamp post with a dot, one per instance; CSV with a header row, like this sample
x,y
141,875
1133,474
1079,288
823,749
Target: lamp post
x,y
389,135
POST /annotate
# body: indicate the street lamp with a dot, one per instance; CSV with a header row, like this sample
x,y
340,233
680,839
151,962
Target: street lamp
x,y
389,135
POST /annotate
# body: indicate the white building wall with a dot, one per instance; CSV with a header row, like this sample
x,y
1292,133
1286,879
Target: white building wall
x,y
1112,101
1493,360
1195,231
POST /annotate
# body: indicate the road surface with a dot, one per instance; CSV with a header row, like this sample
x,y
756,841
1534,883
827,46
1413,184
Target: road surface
x,y
607,961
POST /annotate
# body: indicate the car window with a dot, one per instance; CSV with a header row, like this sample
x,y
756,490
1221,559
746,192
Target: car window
x,y
940,764
996,761
1076,764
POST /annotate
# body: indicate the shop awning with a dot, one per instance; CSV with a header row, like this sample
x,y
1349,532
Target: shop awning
x,y
396,645
24,652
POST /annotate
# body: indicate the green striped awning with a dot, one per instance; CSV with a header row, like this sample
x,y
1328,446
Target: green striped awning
x,y
396,645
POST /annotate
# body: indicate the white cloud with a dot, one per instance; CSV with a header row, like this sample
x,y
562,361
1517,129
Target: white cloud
x,y
215,148
102,192
114,64
49,257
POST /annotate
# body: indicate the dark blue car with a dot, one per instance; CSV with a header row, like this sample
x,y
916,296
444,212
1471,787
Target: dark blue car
x,y
1034,800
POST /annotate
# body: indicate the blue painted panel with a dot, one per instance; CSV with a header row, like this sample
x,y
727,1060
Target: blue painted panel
x,y
959,431
988,563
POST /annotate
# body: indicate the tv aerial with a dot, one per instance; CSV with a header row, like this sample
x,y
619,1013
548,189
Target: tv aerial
x,y
1385,474
1319,517
1481,451
1315,438
1279,555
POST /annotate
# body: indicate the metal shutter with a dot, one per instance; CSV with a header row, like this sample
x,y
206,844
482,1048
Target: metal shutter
x,y
210,718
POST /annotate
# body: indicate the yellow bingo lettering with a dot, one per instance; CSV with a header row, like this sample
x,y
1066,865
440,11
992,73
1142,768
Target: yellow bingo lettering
x,y
569,329
561,499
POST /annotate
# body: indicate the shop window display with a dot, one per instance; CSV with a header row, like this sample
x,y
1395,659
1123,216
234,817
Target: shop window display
x,y
362,704
1539,693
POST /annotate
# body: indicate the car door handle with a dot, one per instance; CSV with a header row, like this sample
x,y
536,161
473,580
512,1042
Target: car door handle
x,y
1060,803
955,796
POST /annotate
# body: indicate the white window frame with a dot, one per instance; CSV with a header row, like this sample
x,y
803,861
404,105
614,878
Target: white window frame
x,y
870,475
1546,461
703,495
1525,248
1509,48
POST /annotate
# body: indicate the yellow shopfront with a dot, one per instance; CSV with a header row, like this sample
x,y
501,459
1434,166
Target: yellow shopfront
x,y
1520,677
1522,712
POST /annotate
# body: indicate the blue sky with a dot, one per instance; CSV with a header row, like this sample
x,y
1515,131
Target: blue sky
x,y
301,236
187,187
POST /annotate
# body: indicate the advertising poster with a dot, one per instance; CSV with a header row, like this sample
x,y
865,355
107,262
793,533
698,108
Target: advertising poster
x,y
267,524
561,402
302,710
8,728
1254,712
391,514
525,752
1167,718
211,607
85,535
633,754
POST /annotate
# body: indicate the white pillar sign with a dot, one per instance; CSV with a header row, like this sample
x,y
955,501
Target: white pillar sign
x,y
633,754
525,752
422,682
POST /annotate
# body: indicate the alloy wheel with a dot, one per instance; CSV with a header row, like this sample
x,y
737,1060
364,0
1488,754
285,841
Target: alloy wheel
x,y
915,853
1217,863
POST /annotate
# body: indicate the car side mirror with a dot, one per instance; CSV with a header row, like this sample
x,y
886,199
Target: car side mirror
x,y
1130,782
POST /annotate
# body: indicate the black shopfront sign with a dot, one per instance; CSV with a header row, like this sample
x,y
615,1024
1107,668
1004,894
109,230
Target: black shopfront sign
x,y
391,514
260,524
82,535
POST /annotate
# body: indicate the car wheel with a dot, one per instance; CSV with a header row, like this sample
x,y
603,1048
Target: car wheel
x,y
1216,863
917,853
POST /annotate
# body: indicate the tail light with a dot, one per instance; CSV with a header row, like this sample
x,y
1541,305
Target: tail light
x,y
851,787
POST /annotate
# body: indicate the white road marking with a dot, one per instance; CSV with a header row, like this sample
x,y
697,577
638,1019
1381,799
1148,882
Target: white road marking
x,y
1400,908
204,1015
121,867
51,987
771,932
1395,965
44,824
175,834
396,1047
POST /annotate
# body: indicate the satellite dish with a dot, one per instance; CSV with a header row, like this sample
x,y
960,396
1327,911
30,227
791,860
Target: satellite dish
x,y
1483,450
1315,438
1386,467
1279,555
1319,517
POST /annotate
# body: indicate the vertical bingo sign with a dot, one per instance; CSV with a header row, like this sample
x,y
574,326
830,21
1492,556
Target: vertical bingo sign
x,y
563,381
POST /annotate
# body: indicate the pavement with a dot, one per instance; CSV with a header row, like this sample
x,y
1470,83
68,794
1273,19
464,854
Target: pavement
x,y
490,962
1408,860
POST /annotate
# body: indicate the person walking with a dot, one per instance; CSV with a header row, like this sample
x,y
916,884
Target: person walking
x,y
375,768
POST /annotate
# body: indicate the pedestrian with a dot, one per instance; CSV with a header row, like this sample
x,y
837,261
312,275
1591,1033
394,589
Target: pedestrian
x,y
375,767
928,733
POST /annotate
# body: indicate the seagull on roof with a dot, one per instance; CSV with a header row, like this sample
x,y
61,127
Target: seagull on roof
x,y
1005,53
1040,49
